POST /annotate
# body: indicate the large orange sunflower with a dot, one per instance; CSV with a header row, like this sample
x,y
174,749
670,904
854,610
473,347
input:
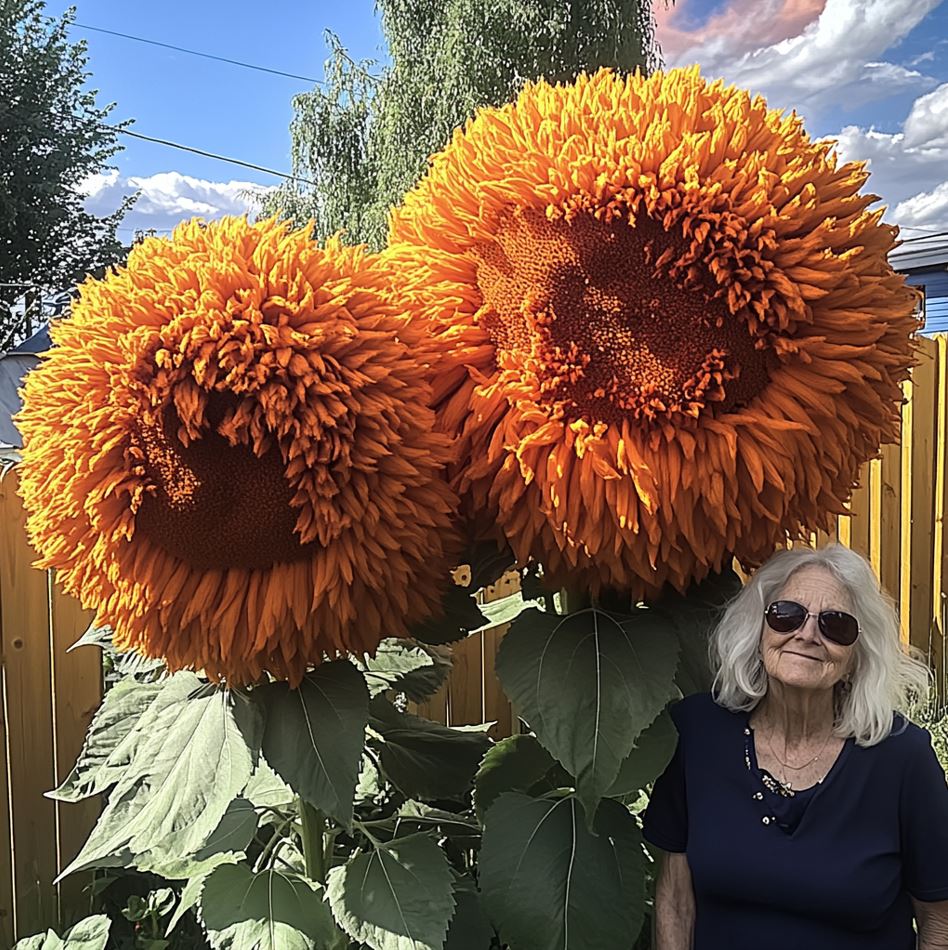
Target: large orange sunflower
x,y
230,457
673,332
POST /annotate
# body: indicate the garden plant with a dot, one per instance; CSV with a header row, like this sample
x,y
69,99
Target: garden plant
x,y
625,331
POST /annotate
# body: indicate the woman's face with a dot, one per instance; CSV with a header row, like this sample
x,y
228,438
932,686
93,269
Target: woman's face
x,y
805,659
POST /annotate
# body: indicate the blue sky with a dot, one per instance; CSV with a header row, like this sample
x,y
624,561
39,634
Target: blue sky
x,y
873,73
215,106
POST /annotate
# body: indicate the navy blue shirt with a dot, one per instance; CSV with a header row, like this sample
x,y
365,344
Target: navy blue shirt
x,y
837,875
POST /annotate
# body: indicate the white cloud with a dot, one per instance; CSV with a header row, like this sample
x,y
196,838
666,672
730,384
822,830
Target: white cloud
x,y
927,209
927,124
167,198
833,59
909,168
927,57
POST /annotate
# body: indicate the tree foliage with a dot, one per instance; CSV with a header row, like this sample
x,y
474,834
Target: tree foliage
x,y
364,137
52,137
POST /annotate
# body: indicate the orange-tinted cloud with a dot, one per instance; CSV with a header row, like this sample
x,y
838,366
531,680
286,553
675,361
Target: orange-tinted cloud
x,y
745,24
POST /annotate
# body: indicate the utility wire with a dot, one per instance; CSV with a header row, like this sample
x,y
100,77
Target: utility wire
x,y
194,52
214,155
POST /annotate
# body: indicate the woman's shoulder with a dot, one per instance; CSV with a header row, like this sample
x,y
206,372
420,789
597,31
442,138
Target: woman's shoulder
x,y
906,740
700,711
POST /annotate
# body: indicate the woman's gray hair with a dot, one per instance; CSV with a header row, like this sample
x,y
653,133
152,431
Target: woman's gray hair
x,y
886,677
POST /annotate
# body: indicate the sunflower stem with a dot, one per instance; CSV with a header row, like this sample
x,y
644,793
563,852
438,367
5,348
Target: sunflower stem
x,y
313,824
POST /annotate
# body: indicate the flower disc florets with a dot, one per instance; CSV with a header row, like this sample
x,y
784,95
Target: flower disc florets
x,y
230,457
671,333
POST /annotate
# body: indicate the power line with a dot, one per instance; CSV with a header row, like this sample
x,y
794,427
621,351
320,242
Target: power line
x,y
206,154
194,52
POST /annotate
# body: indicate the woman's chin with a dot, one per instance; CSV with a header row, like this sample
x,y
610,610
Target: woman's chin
x,y
800,672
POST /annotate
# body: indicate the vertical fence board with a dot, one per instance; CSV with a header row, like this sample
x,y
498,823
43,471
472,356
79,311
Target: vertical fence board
x,y
938,539
920,567
889,503
465,706
496,704
860,514
6,813
905,511
24,618
77,691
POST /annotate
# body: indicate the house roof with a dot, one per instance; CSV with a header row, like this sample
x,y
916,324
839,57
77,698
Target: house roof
x,y
922,252
14,366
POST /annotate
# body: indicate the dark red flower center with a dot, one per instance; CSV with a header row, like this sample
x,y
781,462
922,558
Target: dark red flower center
x,y
215,505
587,309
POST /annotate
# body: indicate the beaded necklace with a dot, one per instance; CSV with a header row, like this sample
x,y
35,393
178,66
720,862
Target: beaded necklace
x,y
767,780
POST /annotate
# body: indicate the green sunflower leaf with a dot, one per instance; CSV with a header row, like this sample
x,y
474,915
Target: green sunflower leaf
x,y
417,670
164,801
424,759
469,928
589,684
89,934
268,910
315,734
514,764
395,897
653,750
548,883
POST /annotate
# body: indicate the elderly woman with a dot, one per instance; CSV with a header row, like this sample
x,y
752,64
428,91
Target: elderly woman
x,y
802,810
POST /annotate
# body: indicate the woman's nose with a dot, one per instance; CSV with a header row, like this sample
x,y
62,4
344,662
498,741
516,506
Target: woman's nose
x,y
810,629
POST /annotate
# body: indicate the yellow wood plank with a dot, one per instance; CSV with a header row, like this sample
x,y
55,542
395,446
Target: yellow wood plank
x,y
77,692
859,507
905,512
919,564
496,705
875,516
844,527
464,685
888,520
938,536
24,607
6,843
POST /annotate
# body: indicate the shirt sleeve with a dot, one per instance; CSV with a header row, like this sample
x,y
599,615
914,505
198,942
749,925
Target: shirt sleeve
x,y
665,822
924,821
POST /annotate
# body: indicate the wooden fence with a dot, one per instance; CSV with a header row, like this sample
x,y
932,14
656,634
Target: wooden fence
x,y
49,696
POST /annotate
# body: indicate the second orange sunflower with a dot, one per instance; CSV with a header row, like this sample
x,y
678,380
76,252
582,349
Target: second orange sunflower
x,y
672,333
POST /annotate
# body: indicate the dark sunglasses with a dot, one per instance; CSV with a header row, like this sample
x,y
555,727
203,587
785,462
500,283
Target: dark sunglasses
x,y
786,616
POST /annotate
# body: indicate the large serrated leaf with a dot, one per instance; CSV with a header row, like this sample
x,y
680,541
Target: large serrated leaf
x,y
188,760
229,839
548,883
588,684
106,753
268,910
514,764
469,928
315,735
396,897
89,934
653,751
424,759
694,615
417,670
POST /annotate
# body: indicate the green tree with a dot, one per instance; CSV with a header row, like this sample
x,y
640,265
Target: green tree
x,y
52,137
365,136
